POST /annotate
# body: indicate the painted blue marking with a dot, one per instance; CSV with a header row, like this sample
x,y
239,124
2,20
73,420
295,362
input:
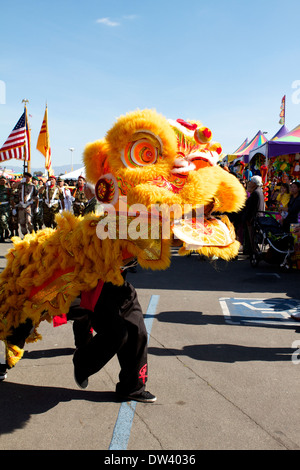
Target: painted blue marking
x,y
150,314
125,417
122,427
245,311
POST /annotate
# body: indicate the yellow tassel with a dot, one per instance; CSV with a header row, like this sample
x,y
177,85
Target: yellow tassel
x,y
13,354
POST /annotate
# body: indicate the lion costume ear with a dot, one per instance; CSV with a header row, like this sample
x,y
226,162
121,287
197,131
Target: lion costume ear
x,y
95,160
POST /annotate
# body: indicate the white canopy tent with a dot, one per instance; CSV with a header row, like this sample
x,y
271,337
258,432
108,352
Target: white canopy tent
x,y
74,175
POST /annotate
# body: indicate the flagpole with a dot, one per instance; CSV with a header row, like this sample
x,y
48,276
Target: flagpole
x,y
43,143
46,110
27,165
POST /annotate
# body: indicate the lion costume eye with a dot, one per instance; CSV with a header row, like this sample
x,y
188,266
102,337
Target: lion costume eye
x,y
106,189
139,153
143,150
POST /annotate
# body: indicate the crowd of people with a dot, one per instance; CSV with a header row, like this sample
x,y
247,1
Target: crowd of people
x,y
29,204
281,199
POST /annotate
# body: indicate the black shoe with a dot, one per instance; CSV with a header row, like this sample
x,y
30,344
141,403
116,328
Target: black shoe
x,y
3,373
82,383
143,397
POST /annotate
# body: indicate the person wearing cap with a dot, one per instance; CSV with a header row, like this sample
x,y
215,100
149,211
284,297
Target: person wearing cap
x,y
254,204
26,199
51,196
80,199
293,207
68,198
5,194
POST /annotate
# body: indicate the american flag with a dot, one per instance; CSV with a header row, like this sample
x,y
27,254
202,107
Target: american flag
x,y
17,144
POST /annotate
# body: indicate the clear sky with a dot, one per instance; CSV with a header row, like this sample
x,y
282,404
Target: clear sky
x,y
227,63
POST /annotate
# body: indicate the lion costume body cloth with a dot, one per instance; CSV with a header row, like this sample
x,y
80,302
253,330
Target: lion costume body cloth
x,y
144,161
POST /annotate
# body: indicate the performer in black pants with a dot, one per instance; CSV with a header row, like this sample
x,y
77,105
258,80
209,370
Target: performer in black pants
x,y
119,325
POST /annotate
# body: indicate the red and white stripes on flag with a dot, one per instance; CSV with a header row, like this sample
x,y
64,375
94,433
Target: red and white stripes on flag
x,y
17,145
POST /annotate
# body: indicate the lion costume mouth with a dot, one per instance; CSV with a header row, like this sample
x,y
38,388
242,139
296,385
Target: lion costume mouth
x,y
212,231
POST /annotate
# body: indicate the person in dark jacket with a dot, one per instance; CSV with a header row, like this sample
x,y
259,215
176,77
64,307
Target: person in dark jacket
x,y
254,204
293,206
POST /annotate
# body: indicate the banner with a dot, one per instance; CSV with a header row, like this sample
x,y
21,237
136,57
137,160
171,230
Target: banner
x,y
282,111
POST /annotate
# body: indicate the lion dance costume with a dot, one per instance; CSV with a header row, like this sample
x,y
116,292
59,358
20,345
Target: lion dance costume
x,y
146,160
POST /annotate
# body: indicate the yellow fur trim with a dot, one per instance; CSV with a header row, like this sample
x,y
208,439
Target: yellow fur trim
x,y
94,158
149,195
13,354
214,183
60,264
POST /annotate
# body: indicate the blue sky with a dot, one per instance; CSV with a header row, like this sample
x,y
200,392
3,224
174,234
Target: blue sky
x,y
226,63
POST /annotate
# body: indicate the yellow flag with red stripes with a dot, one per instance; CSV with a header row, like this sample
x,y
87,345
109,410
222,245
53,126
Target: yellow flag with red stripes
x,y
43,143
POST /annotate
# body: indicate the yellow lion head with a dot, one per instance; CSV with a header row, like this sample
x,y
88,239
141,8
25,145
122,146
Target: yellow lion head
x,y
155,161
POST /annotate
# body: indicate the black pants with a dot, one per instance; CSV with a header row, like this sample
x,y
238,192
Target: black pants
x,y
120,329
18,338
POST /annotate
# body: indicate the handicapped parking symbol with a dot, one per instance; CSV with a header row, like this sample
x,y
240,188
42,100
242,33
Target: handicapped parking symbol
x,y
245,311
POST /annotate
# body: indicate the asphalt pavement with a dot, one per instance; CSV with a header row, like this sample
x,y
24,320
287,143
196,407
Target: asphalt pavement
x,y
223,362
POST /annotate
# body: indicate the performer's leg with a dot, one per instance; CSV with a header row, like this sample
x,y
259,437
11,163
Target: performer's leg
x,y
111,334
19,334
82,331
133,354
82,323
17,339
118,321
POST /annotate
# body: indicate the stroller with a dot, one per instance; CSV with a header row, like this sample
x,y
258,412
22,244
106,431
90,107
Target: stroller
x,y
271,243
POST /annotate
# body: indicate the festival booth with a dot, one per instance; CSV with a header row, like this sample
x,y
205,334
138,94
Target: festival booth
x,y
282,153
255,165
232,158
242,156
